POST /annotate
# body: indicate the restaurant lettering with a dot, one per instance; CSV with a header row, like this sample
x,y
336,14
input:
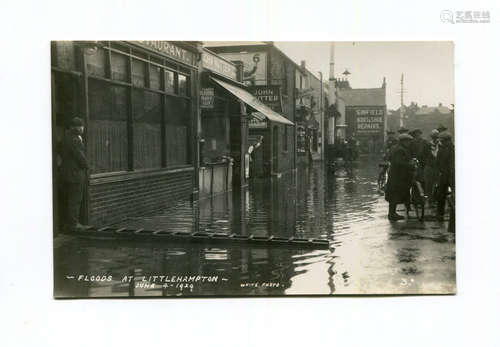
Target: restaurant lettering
x,y
169,49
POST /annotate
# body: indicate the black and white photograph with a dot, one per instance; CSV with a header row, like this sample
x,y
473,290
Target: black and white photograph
x,y
249,173
252,168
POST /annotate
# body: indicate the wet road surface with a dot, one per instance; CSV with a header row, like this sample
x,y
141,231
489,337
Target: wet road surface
x,y
367,255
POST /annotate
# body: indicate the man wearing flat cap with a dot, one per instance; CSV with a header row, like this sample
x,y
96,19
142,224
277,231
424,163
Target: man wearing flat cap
x,y
446,167
74,168
430,171
441,128
403,130
400,176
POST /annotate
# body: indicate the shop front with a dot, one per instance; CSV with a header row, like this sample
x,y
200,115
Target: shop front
x,y
138,100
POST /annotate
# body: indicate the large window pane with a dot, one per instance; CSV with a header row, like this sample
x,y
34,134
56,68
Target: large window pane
x,y
183,85
119,67
176,131
107,132
96,63
169,81
147,110
138,73
154,77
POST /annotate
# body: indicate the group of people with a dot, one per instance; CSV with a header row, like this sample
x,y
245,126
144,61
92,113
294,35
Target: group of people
x,y
416,163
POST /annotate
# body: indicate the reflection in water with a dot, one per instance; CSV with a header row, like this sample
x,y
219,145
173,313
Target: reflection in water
x,y
367,254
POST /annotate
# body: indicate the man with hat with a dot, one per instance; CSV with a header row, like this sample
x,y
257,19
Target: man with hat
x,y
446,167
430,169
74,168
441,128
403,130
400,176
390,142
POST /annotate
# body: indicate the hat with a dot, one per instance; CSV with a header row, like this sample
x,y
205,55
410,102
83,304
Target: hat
x,y
415,131
403,130
441,128
434,133
405,137
76,122
445,136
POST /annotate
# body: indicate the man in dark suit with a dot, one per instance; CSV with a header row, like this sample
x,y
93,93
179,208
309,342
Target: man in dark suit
x,y
400,176
446,167
74,168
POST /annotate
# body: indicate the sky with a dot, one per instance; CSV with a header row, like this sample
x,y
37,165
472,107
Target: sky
x,y
428,67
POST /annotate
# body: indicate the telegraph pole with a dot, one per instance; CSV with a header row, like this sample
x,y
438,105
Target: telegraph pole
x,y
402,108
321,116
331,97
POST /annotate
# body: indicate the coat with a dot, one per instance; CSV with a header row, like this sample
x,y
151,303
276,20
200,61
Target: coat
x,y
400,176
446,164
74,162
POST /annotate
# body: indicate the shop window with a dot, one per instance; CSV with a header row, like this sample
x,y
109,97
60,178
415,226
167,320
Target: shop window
x,y
147,114
176,131
183,85
96,63
119,67
154,77
169,82
138,73
107,129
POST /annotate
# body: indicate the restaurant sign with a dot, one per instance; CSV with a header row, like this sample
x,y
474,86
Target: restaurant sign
x,y
369,121
170,49
207,98
219,65
269,95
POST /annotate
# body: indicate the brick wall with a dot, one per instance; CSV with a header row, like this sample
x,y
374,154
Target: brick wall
x,y
114,201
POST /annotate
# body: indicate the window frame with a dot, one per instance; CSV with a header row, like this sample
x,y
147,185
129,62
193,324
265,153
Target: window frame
x,y
164,64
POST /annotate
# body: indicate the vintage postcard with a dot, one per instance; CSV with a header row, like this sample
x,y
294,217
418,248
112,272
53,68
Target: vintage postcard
x,y
253,168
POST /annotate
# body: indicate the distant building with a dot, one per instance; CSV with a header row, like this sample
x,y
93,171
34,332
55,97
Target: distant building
x,y
365,115
422,117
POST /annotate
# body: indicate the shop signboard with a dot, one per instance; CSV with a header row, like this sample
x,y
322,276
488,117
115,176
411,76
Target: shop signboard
x,y
268,95
369,121
207,96
219,65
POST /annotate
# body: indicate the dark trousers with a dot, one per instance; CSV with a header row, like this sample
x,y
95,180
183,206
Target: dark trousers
x,y
73,199
442,194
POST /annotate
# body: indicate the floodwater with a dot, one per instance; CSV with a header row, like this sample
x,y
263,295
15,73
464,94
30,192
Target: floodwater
x,y
367,255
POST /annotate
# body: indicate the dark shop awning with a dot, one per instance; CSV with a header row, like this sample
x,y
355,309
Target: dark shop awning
x,y
253,102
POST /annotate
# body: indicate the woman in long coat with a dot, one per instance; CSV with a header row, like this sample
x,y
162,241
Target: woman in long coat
x,y
400,176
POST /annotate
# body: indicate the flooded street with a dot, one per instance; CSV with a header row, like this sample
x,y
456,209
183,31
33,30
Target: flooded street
x,y
367,255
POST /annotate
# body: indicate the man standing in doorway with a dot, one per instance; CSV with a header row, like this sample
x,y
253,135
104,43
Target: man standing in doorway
x,y
74,168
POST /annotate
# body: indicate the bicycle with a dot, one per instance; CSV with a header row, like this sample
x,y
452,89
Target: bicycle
x,y
383,176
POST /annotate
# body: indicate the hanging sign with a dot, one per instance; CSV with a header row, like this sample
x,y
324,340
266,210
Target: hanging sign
x,y
207,96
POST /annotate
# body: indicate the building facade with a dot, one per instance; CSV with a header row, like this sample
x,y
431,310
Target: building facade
x,y
268,70
138,100
365,117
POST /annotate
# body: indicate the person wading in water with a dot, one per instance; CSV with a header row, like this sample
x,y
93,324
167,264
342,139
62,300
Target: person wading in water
x,y
400,176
